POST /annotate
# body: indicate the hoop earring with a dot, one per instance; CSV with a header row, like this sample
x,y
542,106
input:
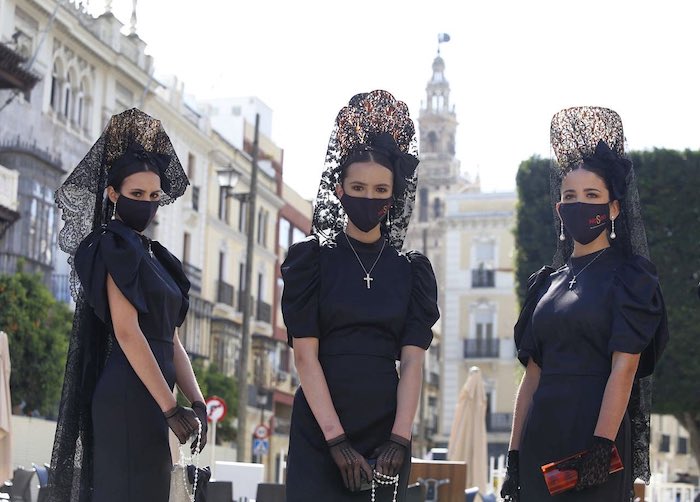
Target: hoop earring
x,y
562,237
613,235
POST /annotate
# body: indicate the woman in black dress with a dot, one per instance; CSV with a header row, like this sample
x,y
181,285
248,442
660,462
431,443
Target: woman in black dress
x,y
591,331
354,305
125,355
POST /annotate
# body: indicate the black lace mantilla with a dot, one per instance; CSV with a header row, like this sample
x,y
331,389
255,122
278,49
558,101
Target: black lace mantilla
x,y
370,113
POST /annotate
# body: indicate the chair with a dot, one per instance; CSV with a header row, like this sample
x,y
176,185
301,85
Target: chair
x,y
19,488
270,492
220,491
471,493
415,493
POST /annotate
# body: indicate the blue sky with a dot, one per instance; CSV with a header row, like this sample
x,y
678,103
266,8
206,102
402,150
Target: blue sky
x,y
511,65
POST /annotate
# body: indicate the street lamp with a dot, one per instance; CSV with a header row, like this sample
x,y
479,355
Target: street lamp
x,y
228,178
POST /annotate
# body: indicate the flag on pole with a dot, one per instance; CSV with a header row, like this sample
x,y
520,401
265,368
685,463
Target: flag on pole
x,y
443,37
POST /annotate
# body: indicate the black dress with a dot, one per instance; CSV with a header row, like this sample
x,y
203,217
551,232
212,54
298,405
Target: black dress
x,y
361,332
615,306
131,451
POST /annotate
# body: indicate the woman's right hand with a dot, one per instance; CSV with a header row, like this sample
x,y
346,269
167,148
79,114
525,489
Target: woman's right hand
x,y
182,421
352,465
510,491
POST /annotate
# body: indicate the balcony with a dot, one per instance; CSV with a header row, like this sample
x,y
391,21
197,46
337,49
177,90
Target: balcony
x,y
483,278
263,312
241,301
499,422
434,379
481,348
194,274
225,293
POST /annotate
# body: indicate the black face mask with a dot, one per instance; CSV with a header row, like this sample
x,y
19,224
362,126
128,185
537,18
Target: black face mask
x,y
365,213
137,214
585,222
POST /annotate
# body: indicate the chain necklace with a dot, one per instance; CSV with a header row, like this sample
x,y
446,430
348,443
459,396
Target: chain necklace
x,y
368,278
573,281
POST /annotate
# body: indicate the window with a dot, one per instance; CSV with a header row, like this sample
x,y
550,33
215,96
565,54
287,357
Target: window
x,y
665,444
241,277
243,217
186,242
437,208
67,97
222,264
682,446
56,87
483,325
285,234
261,283
485,254
423,204
297,235
262,227
191,160
223,204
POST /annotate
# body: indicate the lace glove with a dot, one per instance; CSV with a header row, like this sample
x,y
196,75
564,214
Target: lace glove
x,y
510,491
593,467
200,409
353,467
182,421
390,456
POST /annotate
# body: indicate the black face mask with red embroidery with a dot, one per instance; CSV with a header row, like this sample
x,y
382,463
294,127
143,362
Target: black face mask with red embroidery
x,y
585,222
365,213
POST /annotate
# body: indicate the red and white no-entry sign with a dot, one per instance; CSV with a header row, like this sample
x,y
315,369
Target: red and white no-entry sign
x,y
216,409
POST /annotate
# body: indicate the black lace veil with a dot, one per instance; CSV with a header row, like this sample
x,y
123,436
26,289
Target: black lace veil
x,y
366,114
575,135
84,208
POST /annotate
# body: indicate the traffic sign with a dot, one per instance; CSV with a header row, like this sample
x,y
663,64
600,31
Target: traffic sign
x,y
216,409
262,431
261,446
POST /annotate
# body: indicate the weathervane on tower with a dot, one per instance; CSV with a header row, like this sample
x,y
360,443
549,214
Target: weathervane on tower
x,y
442,38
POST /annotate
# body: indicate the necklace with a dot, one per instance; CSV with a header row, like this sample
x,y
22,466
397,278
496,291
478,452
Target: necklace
x,y
383,479
368,278
573,281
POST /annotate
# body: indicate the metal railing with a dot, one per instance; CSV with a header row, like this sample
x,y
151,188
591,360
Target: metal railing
x,y
483,278
499,422
225,293
481,348
263,312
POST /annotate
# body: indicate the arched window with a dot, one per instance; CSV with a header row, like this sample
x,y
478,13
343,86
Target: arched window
x,y
67,97
56,85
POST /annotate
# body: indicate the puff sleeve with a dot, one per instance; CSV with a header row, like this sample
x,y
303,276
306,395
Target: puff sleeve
x,y
423,310
103,252
524,338
300,272
639,315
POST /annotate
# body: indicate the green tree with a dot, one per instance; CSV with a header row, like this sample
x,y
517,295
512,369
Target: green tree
x,y
215,383
38,329
668,186
535,240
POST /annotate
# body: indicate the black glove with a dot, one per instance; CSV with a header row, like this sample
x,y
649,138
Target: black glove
x,y
510,490
200,409
390,456
593,467
353,467
182,421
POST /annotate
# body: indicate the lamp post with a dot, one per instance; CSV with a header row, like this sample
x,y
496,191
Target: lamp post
x,y
228,178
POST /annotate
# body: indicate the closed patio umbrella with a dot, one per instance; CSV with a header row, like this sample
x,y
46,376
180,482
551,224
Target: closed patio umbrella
x,y
468,434
5,410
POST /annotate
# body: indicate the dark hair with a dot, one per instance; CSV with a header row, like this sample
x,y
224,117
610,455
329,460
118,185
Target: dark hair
x,y
125,172
364,155
601,173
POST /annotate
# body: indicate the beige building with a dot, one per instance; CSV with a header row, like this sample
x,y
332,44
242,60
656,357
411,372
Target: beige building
x,y
670,451
481,306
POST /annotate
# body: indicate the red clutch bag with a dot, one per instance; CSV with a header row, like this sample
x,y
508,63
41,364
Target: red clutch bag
x,y
560,480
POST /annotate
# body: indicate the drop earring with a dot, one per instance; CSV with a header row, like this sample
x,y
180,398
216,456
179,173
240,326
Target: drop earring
x,y
561,232
114,211
613,235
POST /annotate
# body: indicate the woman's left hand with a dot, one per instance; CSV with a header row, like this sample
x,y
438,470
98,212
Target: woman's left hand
x,y
391,455
200,409
593,467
